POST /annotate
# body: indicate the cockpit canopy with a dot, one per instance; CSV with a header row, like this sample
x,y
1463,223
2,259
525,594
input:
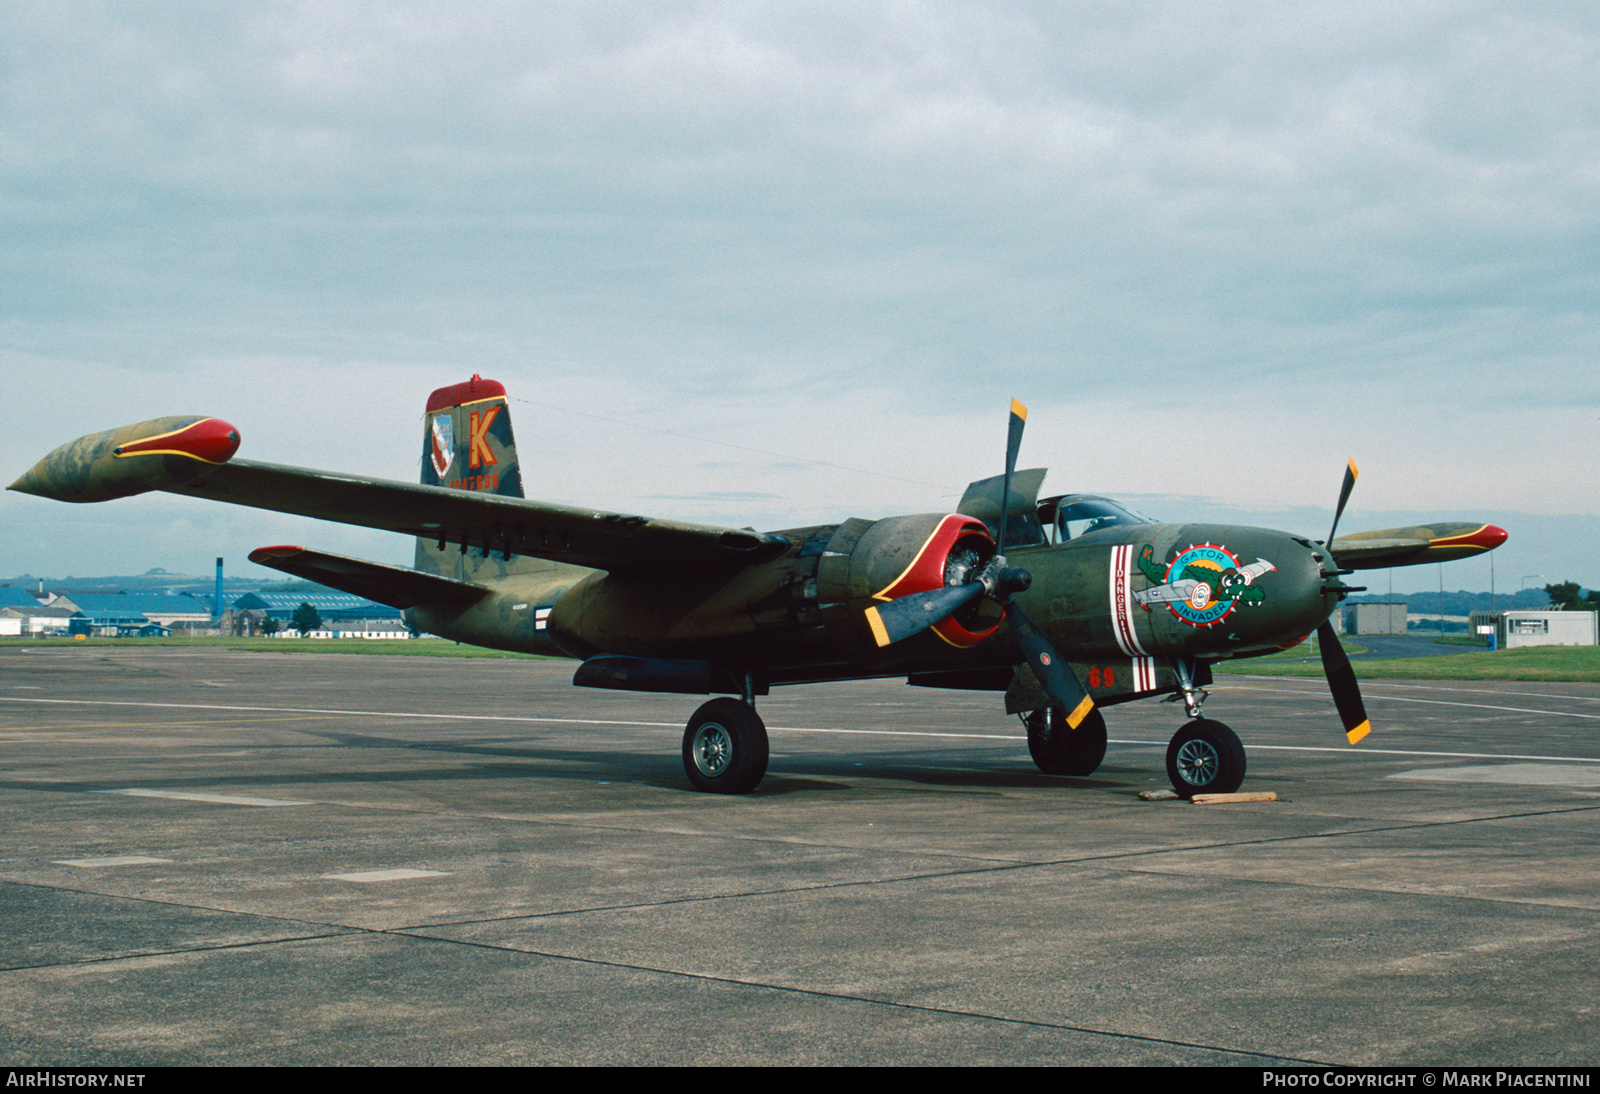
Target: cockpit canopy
x,y
1072,516
1032,521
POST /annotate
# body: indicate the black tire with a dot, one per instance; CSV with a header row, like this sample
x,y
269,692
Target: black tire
x,y
725,748
1064,751
1205,757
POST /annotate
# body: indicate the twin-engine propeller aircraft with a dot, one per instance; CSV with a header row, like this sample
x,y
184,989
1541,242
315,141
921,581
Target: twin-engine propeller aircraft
x,y
1066,604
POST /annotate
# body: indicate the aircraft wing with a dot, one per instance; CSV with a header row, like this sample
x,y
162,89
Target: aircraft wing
x,y
488,522
396,586
1416,545
192,456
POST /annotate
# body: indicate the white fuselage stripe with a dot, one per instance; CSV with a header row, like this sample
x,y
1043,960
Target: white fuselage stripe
x,y
1122,619
1144,674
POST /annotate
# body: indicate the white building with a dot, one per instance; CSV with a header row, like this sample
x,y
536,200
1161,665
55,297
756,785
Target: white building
x,y
1539,628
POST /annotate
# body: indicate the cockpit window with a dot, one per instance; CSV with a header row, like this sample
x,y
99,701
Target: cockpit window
x,y
1082,514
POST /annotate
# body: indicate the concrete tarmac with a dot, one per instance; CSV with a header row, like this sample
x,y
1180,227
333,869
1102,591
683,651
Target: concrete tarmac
x,y
255,858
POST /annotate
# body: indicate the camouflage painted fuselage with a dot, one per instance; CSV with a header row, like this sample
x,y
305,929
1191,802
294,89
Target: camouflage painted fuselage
x,y
800,617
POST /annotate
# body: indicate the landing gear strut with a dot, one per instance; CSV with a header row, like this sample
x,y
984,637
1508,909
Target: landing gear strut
x,y
1189,693
1204,757
725,747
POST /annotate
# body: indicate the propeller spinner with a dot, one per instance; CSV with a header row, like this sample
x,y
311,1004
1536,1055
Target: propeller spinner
x,y
905,616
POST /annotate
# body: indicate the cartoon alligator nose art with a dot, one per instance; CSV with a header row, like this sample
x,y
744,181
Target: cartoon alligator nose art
x,y
1202,585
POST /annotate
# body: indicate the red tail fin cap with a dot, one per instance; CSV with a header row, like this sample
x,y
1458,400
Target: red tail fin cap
x,y
472,391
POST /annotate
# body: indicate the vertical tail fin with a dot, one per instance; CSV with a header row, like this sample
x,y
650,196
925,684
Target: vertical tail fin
x,y
467,442
466,445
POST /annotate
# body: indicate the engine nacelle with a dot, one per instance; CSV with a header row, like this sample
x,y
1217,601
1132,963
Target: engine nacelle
x,y
868,564
155,455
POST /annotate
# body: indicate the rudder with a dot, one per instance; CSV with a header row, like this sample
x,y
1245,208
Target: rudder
x,y
467,445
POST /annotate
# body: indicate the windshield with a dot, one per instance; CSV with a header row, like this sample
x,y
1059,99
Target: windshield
x,y
1078,515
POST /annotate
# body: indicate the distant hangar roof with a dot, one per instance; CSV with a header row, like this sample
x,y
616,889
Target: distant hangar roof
x,y
130,605
17,598
329,605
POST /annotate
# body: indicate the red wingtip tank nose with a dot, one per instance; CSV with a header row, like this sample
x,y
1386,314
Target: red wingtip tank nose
x,y
1490,536
1461,541
155,455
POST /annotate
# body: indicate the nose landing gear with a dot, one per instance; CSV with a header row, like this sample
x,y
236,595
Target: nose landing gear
x,y
1203,757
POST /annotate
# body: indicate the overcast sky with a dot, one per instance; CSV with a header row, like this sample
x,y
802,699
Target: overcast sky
x,y
778,264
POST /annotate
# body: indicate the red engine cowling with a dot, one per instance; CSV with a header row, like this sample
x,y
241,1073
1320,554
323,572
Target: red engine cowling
x,y
871,563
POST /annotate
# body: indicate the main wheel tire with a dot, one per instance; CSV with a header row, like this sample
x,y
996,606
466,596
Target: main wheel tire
x,y
1205,757
1059,750
725,747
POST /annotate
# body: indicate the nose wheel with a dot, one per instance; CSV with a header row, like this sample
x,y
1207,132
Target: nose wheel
x,y
1205,757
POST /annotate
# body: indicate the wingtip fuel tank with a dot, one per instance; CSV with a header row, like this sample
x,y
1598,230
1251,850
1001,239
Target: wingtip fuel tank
x,y
153,455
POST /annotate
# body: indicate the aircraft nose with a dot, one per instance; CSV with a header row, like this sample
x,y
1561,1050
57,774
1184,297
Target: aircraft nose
x,y
1240,590
1296,595
1317,592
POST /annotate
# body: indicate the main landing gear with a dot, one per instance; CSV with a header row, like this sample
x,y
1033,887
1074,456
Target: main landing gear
x,y
1057,749
725,747
1204,757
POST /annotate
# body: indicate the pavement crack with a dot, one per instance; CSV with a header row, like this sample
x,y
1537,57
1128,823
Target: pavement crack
x,y
921,1008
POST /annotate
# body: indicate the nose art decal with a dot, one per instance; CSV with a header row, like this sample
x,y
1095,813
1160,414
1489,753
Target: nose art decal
x,y
1203,584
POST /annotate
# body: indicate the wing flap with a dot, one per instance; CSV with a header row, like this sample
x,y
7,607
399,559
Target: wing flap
x,y
488,522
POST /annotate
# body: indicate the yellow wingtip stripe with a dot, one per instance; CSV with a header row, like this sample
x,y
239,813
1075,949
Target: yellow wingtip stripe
x,y
162,452
1019,410
880,634
1354,470
1080,712
1360,731
123,455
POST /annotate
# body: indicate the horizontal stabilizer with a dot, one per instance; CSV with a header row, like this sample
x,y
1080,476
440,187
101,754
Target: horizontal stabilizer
x,y
1416,546
395,586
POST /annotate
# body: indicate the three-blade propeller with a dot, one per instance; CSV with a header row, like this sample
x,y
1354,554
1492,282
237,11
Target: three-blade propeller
x,y
1335,662
908,615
